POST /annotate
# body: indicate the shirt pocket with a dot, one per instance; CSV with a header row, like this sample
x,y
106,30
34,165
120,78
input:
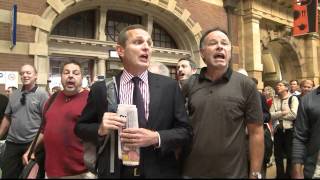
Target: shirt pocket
x,y
34,106
232,106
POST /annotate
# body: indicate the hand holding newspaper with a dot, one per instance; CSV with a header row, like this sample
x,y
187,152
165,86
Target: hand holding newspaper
x,y
129,156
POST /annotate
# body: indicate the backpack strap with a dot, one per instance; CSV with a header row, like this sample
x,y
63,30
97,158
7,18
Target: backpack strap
x,y
191,81
112,94
45,109
290,101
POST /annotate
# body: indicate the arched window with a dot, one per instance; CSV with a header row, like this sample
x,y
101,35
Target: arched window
x,y
78,25
161,38
116,21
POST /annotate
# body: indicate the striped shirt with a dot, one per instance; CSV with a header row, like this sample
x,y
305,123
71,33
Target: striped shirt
x,y
127,86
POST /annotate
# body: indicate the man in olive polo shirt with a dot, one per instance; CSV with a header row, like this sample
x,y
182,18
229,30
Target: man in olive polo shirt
x,y
222,105
22,120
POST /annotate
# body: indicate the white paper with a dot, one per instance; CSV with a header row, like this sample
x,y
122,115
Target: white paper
x,y
129,156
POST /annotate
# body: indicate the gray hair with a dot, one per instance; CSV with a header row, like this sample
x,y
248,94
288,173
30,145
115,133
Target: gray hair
x,y
159,68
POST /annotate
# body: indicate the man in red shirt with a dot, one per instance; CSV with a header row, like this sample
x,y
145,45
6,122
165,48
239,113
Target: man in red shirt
x,y
63,149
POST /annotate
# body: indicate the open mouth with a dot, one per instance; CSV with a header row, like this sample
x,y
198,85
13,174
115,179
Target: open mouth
x,y
144,57
70,83
219,56
180,74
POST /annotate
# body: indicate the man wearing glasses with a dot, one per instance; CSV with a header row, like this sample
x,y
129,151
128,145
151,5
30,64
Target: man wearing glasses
x,y
22,118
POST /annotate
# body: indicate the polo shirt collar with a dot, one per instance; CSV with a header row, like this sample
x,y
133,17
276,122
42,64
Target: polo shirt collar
x,y
225,77
32,90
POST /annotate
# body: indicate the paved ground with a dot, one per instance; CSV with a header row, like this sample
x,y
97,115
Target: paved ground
x,y
271,172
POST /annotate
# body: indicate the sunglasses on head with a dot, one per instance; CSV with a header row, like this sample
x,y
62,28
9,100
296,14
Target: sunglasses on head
x,y
23,99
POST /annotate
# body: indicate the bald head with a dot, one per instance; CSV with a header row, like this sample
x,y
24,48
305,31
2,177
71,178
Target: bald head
x,y
28,75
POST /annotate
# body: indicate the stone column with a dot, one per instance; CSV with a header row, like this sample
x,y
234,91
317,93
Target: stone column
x,y
253,63
101,23
41,57
147,21
42,64
311,58
101,66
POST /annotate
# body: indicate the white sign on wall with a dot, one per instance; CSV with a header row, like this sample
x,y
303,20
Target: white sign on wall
x,y
2,77
11,79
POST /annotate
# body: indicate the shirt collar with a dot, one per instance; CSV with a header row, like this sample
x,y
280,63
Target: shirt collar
x,y
126,76
32,90
226,76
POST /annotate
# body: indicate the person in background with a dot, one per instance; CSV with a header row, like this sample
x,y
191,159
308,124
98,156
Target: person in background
x,y
55,89
159,68
306,86
283,113
268,143
222,105
3,104
306,139
10,90
22,118
269,93
244,72
294,87
162,117
60,119
185,68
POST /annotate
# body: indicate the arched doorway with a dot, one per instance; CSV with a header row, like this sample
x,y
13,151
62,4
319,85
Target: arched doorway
x,y
280,62
177,23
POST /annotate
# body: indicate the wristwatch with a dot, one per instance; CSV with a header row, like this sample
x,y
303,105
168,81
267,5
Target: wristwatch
x,y
256,175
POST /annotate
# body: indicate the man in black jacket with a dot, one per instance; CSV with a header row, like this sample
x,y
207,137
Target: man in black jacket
x,y
3,104
163,127
306,137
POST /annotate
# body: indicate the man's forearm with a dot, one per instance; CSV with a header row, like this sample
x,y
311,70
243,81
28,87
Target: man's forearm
x,y
5,124
39,143
256,147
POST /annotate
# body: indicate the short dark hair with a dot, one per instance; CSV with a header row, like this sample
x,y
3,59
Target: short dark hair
x,y
285,83
122,38
71,62
293,81
192,63
210,31
13,88
255,80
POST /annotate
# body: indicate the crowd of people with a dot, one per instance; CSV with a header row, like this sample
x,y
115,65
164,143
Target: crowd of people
x,y
209,124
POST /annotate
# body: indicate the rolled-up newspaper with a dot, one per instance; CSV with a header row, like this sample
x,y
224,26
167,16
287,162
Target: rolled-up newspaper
x,y
129,156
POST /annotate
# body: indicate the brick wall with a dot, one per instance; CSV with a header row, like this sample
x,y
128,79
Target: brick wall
x,y
208,15
24,33
13,62
25,6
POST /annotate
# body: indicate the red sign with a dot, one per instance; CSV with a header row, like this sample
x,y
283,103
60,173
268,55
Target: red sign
x,y
305,16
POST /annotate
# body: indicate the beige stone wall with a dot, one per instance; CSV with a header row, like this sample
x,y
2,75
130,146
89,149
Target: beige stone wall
x,y
251,22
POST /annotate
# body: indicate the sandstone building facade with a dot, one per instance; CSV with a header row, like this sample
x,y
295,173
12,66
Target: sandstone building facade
x,y
52,31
